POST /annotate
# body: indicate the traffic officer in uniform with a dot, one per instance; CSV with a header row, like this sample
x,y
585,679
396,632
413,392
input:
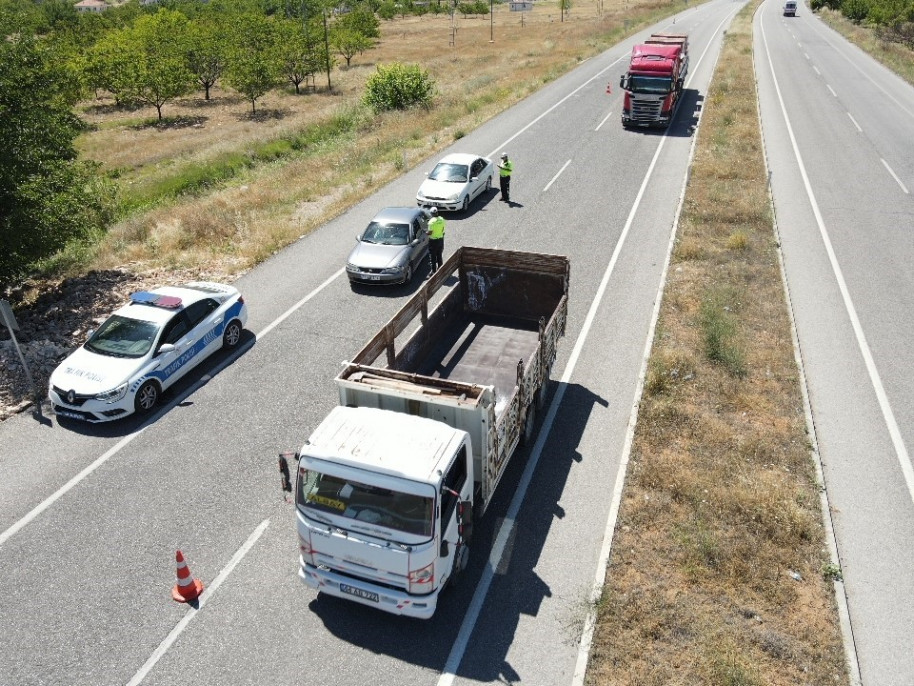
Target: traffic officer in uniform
x,y
505,168
435,240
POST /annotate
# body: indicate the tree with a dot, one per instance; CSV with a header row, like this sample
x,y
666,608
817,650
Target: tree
x,y
253,67
206,51
348,42
47,197
112,66
362,20
160,46
298,49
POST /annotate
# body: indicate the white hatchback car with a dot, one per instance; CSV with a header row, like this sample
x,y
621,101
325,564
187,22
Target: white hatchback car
x,y
455,181
145,347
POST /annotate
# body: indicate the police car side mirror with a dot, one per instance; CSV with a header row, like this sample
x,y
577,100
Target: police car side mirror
x,y
166,348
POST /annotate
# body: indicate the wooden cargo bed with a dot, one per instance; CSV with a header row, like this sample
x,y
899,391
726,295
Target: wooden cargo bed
x,y
482,349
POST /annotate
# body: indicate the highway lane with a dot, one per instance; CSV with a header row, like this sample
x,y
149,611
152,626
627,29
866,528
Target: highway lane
x,y
839,133
88,580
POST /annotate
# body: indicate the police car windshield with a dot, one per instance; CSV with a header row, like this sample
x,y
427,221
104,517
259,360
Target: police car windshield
x,y
123,337
456,173
403,512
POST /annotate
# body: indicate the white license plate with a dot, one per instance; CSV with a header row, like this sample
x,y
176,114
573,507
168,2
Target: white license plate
x,y
71,415
374,277
359,593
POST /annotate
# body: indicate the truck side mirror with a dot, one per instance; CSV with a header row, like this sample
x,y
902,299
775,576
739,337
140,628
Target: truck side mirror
x,y
465,520
445,549
285,478
622,82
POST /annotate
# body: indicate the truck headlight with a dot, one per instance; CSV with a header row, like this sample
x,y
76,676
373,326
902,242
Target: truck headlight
x,y
114,395
422,580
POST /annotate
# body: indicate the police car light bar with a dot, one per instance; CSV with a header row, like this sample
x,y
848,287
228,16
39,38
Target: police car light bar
x,y
146,298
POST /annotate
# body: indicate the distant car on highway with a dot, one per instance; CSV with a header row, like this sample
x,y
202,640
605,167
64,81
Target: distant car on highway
x,y
456,181
790,8
145,347
392,247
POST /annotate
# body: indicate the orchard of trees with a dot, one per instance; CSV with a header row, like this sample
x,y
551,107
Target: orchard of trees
x,y
52,56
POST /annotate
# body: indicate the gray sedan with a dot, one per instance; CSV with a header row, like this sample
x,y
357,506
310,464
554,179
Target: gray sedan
x,y
391,248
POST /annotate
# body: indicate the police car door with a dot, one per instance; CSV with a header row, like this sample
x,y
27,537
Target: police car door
x,y
207,323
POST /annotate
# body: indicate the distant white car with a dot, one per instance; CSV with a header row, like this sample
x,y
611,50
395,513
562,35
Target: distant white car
x,y
456,181
145,347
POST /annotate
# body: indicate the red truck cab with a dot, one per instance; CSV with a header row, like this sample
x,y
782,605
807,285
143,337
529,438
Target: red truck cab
x,y
654,81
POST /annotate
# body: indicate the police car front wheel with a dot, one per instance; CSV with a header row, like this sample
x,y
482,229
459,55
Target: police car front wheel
x,y
146,397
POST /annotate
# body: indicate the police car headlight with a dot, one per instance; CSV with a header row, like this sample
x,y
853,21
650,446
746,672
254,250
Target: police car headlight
x,y
114,395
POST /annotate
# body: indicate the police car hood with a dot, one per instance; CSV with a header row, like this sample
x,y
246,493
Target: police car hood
x,y
86,372
441,189
377,255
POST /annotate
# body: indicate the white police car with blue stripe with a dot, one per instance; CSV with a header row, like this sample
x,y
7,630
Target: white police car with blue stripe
x,y
145,347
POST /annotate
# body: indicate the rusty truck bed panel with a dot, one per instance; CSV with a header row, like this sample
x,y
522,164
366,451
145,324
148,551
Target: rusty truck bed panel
x,y
483,350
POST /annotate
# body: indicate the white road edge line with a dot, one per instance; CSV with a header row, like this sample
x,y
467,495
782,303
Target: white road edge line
x,y
816,69
604,121
557,175
857,125
894,176
192,611
60,492
901,451
847,630
469,621
120,445
832,90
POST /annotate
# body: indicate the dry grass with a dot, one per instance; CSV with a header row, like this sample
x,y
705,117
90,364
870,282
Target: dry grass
x,y
268,201
721,503
897,57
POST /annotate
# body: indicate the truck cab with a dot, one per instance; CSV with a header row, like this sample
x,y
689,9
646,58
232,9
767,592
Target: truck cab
x,y
652,85
384,505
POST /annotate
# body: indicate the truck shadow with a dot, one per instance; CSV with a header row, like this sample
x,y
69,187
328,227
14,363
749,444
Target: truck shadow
x,y
516,589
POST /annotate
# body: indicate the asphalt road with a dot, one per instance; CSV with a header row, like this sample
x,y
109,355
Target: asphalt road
x,y
839,132
90,517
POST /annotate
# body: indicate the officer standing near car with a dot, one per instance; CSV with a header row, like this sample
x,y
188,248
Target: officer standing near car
x,y
505,168
435,240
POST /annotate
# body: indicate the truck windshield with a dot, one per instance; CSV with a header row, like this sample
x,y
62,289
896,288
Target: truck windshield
x,y
650,84
405,512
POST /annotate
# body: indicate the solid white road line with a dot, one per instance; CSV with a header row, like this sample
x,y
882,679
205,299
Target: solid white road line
x,y
558,174
854,121
192,611
894,176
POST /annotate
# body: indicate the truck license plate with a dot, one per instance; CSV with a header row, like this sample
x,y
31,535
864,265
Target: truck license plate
x,y
358,592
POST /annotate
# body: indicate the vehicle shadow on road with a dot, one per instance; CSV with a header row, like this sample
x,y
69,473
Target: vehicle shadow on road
x,y
516,589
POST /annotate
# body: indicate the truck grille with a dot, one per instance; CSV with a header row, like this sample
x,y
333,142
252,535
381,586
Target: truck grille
x,y
646,110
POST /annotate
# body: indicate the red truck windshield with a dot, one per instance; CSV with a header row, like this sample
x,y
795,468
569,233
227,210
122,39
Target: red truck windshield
x,y
650,84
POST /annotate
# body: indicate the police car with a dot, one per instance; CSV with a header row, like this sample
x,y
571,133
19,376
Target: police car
x,y
145,347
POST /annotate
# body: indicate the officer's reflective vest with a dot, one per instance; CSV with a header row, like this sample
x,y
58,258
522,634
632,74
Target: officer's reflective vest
x,y
507,166
436,228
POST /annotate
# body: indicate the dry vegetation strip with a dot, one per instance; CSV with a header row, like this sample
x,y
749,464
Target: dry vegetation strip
x,y
721,508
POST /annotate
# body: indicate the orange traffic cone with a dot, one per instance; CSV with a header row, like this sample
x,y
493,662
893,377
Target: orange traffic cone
x,y
187,587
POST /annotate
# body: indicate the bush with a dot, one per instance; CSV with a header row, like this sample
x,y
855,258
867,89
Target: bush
x,y
855,10
398,87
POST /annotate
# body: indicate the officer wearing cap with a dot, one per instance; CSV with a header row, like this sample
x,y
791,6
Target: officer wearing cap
x,y
435,240
505,167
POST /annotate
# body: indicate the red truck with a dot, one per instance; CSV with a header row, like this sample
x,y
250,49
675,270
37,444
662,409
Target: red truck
x,y
654,81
